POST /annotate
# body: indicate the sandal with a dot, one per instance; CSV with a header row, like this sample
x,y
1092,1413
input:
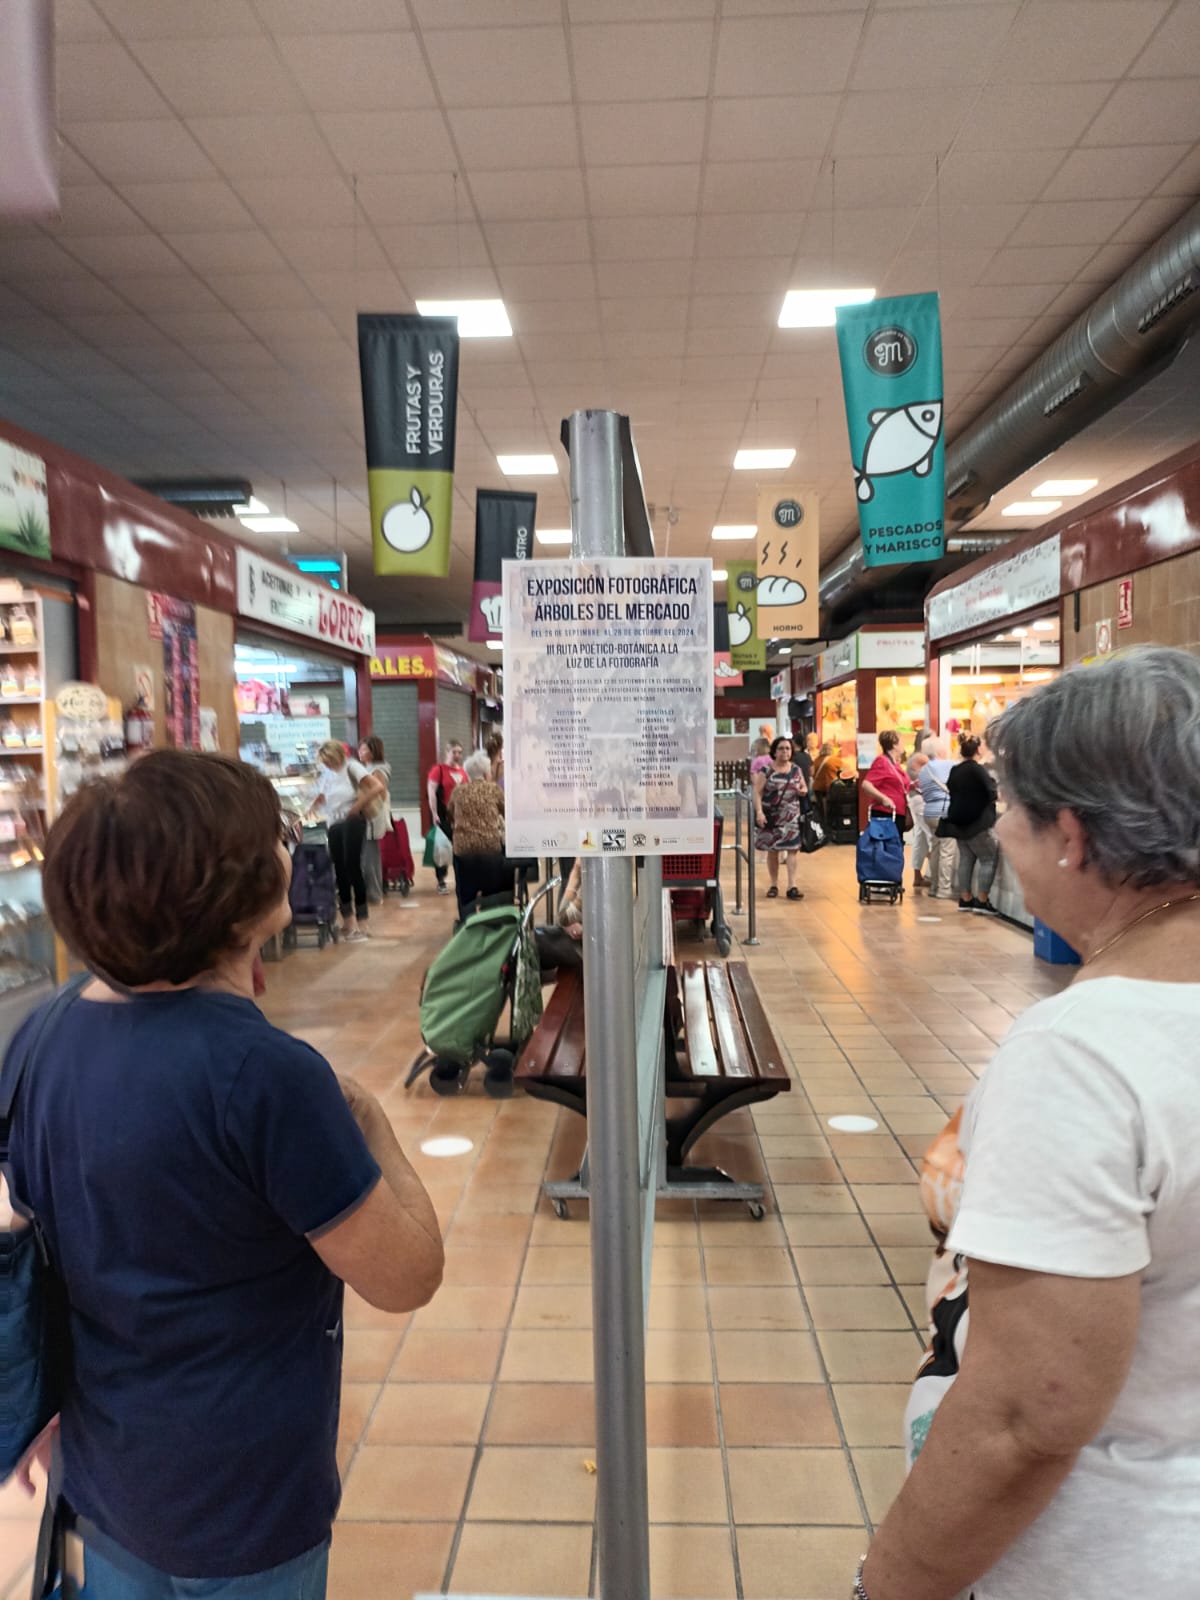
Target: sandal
x,y
773,893
794,894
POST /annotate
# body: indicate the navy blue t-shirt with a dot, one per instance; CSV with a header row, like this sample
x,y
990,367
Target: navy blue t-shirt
x,y
177,1149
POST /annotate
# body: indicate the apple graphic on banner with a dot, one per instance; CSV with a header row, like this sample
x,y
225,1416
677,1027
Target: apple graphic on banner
x,y
781,592
407,526
491,607
740,627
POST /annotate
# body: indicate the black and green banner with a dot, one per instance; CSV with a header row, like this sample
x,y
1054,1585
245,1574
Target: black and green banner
x,y
891,352
747,652
409,370
504,521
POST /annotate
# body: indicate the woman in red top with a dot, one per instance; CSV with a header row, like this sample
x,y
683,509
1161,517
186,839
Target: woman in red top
x,y
886,782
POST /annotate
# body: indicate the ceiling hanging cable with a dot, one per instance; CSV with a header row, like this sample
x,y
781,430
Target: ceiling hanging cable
x,y
937,203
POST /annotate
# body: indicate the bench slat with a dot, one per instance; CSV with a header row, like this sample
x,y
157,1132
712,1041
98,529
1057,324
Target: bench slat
x,y
736,1061
702,1054
768,1058
556,1048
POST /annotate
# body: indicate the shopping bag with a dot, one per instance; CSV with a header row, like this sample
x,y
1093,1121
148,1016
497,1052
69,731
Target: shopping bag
x,y
812,834
439,847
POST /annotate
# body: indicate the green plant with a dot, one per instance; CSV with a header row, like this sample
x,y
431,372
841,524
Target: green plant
x,y
32,533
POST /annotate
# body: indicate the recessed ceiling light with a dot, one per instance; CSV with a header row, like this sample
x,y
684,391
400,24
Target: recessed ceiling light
x,y
494,644
1046,625
1020,633
762,460
448,1145
270,524
1064,486
735,530
784,650
254,507
719,574
846,1124
815,308
477,319
528,466
1031,508
552,535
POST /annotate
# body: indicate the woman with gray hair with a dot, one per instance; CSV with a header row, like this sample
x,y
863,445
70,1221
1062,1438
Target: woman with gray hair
x,y
1064,1457
476,812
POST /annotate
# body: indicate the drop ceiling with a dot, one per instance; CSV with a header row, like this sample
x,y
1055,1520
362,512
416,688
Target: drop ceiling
x,y
640,180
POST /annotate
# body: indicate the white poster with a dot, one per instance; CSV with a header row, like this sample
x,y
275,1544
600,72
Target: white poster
x,y
608,707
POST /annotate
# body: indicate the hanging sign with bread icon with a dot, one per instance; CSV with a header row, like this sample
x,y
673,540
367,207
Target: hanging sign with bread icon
x,y
789,558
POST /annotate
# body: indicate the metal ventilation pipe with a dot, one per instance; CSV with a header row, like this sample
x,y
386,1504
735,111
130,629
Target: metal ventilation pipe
x,y
1132,330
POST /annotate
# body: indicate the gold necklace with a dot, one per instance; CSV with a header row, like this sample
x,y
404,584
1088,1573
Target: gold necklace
x,y
1130,926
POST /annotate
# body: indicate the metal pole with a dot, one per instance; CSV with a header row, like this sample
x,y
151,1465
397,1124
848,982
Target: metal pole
x,y
619,1356
737,853
752,919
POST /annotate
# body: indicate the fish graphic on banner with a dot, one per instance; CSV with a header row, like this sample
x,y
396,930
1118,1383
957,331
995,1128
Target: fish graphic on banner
x,y
504,521
747,652
891,355
409,370
789,559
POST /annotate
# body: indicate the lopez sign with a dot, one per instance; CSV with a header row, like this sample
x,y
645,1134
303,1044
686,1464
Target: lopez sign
x,y
280,596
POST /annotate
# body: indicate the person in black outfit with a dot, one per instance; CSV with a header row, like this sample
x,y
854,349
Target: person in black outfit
x,y
971,819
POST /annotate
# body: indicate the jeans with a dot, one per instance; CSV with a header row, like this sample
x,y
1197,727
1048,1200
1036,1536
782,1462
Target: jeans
x,y
982,852
922,839
480,875
346,848
124,1577
372,871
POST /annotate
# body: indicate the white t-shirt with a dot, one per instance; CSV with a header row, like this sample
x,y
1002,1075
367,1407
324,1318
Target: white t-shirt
x,y
1082,1145
340,789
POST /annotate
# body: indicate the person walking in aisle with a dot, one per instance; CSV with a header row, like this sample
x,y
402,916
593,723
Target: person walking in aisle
x,y
379,823
933,782
971,819
441,783
922,840
345,790
1062,1456
476,813
779,796
205,1186
885,782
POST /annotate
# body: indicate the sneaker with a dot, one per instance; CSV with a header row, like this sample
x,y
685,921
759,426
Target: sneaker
x,y
443,888
966,905
357,937
986,907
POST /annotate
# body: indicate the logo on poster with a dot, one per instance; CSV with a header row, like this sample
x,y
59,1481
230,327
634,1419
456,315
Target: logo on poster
x,y
612,838
789,513
890,352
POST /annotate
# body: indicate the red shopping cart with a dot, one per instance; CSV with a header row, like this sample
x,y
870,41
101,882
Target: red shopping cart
x,y
395,859
695,885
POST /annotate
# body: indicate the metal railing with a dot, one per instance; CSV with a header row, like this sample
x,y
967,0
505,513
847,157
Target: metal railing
x,y
743,855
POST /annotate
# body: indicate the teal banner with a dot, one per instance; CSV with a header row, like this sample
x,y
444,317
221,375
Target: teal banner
x,y
891,352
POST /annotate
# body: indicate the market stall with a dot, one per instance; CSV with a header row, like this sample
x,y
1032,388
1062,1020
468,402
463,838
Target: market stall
x,y
866,683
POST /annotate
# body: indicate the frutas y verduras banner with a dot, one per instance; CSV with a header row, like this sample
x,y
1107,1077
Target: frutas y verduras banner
x,y
747,652
409,370
504,521
789,562
891,352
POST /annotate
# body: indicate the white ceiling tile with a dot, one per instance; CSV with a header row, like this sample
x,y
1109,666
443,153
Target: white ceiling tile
x,y
969,176
779,128
618,278
211,77
411,197
1106,265
193,326
1064,222
785,55
203,204
140,152
930,48
93,208
1150,220
100,81
634,10
733,310
936,269
289,145
707,341
643,191
544,242
1148,111
1047,264
539,347
308,324
1175,48
651,342
435,244
733,186
76,20
1024,116
571,280
767,275
1184,180
324,249
1096,38
558,192
878,180
553,316
173,291
499,66
645,238
1014,300
484,13
295,202
633,133
66,296
771,233
898,123
500,139
252,291
388,141
1100,174
662,311
180,19
642,60
975,227
284,17
359,71
250,251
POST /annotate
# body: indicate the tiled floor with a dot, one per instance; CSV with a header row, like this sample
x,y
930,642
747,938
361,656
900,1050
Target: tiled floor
x,y
779,1351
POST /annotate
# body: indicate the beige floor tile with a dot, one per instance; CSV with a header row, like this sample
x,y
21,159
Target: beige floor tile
x,y
798,1563
543,1413
560,1356
553,1306
525,1558
511,1481
552,1233
686,1485
670,1265
766,1357
901,1228
821,1198
879,1199
457,1308
787,1486
880,1475
872,1413
760,1414
388,1558
678,1306
870,1357
883,1169
675,1355
908,1263
812,1169
745,1306
814,1229
491,1229
771,1265
359,1313
925,1122
831,1265
406,1483
675,1232
429,1413
916,1300
679,1414
728,1227
690,1563
358,1399
430,1355
471,1266
859,1308
368,1354
571,1264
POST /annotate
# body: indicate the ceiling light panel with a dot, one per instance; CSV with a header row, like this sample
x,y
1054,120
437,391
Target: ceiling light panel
x,y
762,460
270,524
552,535
477,319
816,308
1061,488
528,466
735,530
1030,508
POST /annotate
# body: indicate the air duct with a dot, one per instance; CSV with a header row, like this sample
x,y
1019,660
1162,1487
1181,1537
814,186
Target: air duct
x,y
1134,330
203,497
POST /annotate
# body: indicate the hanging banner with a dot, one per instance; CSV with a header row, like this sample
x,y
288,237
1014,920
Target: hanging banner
x,y
409,371
28,130
24,501
891,353
504,521
789,562
181,670
747,652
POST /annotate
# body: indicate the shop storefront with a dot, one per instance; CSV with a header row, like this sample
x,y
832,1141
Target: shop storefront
x,y
871,681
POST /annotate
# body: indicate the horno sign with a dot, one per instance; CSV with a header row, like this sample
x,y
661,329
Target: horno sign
x,y
279,595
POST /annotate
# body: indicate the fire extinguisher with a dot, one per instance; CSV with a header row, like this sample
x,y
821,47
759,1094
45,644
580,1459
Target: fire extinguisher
x,y
139,727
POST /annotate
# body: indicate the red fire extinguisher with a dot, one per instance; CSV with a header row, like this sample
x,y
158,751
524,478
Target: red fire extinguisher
x,y
139,727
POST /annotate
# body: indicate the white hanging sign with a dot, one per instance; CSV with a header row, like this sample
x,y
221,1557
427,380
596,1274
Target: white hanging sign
x,y
279,595
1004,589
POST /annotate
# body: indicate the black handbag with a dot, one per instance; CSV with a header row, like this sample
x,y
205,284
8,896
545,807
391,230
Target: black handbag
x,y
812,834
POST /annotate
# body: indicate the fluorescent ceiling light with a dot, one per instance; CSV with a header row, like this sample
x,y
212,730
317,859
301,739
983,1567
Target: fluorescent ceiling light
x,y
270,524
784,650
477,319
322,564
719,574
762,460
1064,486
552,535
528,466
815,308
494,644
1031,508
1046,625
735,530
254,507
